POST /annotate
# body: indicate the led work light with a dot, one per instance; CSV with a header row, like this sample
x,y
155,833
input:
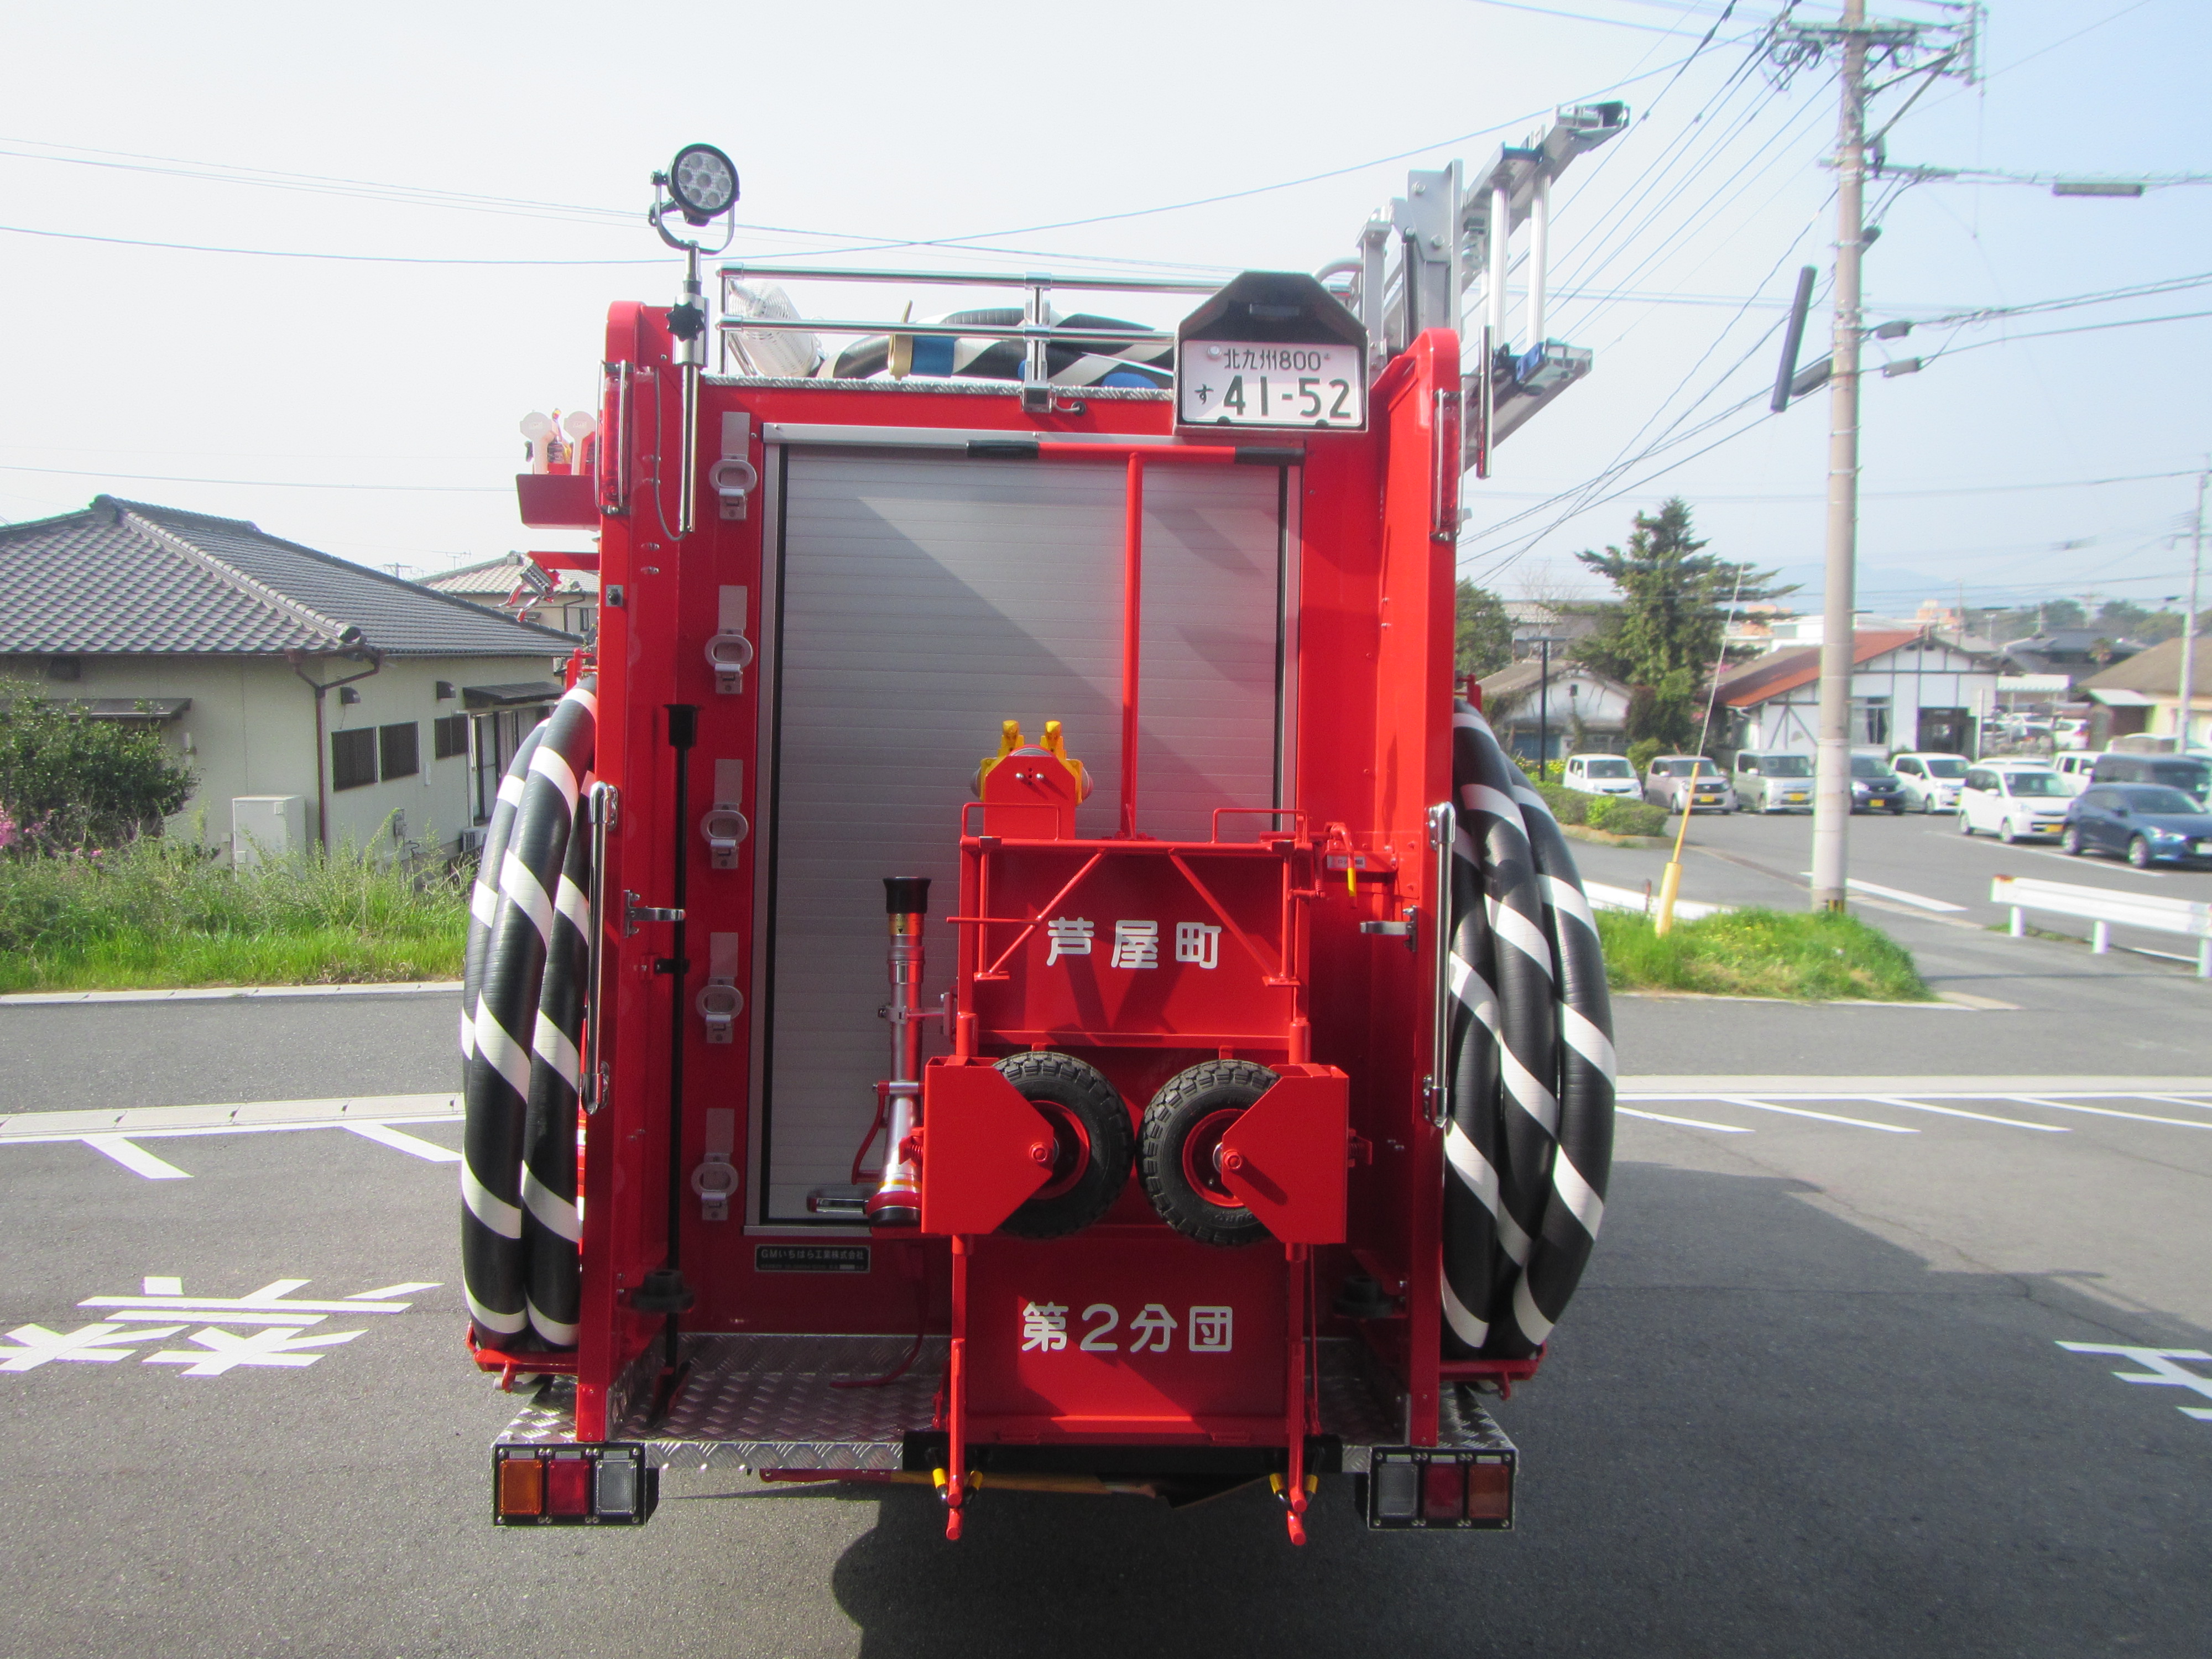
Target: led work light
x,y
704,183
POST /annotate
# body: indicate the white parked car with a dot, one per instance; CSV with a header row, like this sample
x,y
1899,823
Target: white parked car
x,y
1600,775
2013,803
2074,769
1932,781
1774,782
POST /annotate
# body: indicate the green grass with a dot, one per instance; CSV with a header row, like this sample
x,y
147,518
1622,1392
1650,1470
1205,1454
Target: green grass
x,y
159,913
1806,956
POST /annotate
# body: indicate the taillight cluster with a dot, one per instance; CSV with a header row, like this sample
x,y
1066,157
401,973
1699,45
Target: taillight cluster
x,y
1424,1486
558,1486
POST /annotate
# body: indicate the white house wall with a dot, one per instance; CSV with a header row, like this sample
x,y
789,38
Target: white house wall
x,y
1912,676
251,727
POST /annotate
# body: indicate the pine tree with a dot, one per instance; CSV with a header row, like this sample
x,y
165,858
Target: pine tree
x,y
1663,637
1482,637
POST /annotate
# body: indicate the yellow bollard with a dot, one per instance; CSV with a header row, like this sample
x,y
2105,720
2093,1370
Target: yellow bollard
x,y
1670,882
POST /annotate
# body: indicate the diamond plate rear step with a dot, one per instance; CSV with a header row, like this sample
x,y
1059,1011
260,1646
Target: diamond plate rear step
x,y
775,1402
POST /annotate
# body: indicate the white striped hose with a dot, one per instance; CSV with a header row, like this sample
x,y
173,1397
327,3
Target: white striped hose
x,y
1529,1143
522,1004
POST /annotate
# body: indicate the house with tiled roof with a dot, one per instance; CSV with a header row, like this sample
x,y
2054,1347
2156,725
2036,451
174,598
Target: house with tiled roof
x,y
521,585
1911,689
2144,694
319,702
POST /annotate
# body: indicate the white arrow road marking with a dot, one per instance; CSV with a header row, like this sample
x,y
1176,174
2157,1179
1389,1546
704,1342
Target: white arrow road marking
x,y
1685,1122
91,1342
135,1158
261,1348
383,1292
385,1135
274,1299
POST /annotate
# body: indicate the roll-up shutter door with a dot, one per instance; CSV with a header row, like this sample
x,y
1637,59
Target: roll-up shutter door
x,y
918,601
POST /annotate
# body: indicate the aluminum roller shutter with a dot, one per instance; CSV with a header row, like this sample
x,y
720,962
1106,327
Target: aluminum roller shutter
x,y
919,601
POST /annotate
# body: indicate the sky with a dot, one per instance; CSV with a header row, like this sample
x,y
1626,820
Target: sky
x,y
484,170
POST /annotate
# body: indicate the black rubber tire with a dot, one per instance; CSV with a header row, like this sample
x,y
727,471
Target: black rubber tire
x,y
1194,1102
1098,1147
2139,853
1966,826
2073,843
1896,809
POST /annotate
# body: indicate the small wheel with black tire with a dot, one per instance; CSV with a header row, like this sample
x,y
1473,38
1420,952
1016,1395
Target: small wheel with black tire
x,y
2139,853
1181,1150
1896,807
2073,842
1966,826
1093,1148
2006,833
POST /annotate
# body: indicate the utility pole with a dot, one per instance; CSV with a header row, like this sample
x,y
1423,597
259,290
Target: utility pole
x,y
1853,37
2188,687
1832,776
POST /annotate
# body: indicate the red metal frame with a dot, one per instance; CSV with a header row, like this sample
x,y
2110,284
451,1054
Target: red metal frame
x,y
1340,1016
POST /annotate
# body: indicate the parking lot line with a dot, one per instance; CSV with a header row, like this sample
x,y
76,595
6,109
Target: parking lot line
x,y
1825,1117
2106,1111
1898,893
1954,1111
1684,1122
135,1158
385,1135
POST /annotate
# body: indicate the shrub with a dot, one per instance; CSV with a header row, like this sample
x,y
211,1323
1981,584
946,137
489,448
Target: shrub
x,y
1568,805
1643,752
1623,815
69,781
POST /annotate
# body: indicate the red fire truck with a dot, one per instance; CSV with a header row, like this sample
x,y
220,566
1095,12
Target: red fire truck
x,y
1010,967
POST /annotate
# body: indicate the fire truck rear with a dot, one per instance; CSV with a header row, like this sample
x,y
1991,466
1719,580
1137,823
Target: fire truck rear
x,y
1010,967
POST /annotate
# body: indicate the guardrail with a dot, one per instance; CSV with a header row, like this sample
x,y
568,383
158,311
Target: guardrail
x,y
2105,910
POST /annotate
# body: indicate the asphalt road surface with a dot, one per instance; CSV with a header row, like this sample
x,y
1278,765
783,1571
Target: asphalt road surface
x,y
1811,1401
2022,1005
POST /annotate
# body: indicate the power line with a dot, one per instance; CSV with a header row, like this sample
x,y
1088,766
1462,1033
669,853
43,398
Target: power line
x,y
264,483
1582,17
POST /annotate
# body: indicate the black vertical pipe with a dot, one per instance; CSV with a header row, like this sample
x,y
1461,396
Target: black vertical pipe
x,y
683,732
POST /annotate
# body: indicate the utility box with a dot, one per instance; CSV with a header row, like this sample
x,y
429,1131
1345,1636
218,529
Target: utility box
x,y
266,827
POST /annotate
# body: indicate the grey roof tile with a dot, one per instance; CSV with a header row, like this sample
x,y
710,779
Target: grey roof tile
x,y
127,577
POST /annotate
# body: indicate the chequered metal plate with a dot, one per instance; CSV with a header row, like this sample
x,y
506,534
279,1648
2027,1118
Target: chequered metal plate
x,y
1365,1408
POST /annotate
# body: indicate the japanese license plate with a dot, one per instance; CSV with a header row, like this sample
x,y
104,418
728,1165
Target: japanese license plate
x,y
1236,383
2204,849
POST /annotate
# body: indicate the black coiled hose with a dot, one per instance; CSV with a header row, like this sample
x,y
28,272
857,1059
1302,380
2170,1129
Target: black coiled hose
x,y
522,1002
1528,1143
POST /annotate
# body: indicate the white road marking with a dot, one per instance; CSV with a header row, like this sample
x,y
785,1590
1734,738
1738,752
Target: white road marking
x,y
385,1135
154,1286
383,1292
1896,893
221,1351
1825,1117
2160,1370
233,1117
1684,1122
2106,1111
2173,1100
233,993
134,1158
274,1297
93,1343
1954,1111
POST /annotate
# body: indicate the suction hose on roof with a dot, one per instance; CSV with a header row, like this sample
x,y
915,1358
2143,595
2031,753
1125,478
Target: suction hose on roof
x,y
522,1000
1528,1145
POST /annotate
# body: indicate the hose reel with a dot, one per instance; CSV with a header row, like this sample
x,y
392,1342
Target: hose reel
x,y
523,996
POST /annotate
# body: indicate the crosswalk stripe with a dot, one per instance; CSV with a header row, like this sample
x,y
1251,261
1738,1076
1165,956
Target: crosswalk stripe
x,y
135,1158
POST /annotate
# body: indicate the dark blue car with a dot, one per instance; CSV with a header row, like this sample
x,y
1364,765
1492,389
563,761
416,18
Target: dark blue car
x,y
2145,824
